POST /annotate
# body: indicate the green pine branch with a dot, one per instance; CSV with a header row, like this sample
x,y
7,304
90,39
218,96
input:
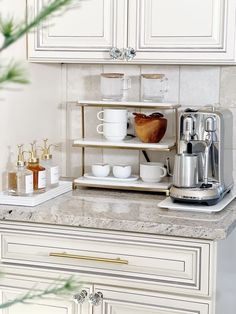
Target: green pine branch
x,y
13,72
12,31
69,285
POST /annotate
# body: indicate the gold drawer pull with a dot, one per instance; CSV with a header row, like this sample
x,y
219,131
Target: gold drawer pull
x,y
90,258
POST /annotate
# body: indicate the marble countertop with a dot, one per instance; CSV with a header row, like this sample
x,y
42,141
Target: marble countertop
x,y
124,211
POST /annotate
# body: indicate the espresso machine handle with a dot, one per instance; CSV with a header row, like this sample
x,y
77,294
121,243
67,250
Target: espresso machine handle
x,y
206,165
210,128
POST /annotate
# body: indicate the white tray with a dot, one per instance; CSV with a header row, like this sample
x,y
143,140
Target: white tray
x,y
64,187
111,178
169,204
162,186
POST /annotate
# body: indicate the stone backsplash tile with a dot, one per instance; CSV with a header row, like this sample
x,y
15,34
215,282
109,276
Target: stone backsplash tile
x,y
228,86
83,81
199,85
188,85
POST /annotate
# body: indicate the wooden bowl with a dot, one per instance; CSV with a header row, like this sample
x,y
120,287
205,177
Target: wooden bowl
x,y
150,129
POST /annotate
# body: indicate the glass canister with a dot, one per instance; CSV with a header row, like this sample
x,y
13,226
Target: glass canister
x,y
113,86
154,87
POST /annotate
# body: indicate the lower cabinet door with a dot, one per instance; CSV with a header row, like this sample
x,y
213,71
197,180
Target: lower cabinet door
x,y
47,305
111,300
43,306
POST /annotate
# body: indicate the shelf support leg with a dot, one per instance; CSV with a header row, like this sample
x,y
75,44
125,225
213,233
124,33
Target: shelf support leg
x,y
83,136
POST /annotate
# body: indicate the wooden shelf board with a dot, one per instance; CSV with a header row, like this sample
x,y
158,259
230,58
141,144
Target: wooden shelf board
x,y
131,104
134,143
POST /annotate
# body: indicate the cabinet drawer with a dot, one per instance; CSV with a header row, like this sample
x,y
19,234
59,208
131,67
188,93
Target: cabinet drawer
x,y
172,264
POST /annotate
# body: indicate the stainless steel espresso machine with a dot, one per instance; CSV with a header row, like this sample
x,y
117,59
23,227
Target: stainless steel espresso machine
x,y
204,163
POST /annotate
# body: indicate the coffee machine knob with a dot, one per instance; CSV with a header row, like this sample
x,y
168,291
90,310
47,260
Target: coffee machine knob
x,y
188,128
210,124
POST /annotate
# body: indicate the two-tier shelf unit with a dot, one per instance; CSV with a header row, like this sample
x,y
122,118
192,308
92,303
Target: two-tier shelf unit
x,y
166,145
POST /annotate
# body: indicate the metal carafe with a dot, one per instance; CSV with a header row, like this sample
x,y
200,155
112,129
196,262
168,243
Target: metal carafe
x,y
185,173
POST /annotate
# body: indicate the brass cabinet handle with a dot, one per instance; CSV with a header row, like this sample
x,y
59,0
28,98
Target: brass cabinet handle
x,y
90,258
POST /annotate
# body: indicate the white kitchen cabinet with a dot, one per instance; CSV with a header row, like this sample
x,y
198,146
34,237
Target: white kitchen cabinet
x,y
85,32
188,31
161,31
122,272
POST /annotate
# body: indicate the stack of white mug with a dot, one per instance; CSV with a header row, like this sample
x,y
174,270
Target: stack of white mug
x,y
114,126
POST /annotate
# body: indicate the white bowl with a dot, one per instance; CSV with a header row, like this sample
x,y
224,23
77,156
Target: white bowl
x,y
101,170
122,171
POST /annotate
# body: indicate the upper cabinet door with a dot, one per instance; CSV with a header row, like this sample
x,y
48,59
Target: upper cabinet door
x,y
183,31
84,33
161,31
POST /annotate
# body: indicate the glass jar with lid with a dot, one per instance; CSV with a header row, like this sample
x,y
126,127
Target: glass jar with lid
x,y
113,86
154,87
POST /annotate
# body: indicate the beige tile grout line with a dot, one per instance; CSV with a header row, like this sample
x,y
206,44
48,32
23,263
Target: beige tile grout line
x,y
180,68
64,126
220,74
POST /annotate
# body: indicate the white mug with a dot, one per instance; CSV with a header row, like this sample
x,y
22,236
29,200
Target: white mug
x,y
113,131
122,171
113,115
101,170
152,172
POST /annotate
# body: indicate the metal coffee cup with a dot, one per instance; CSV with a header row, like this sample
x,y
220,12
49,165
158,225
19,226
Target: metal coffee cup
x,y
186,171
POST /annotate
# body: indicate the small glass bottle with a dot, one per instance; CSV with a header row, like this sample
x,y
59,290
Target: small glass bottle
x,y
39,172
20,181
52,170
12,181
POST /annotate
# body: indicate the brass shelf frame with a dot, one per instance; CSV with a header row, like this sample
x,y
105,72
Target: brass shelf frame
x,y
136,105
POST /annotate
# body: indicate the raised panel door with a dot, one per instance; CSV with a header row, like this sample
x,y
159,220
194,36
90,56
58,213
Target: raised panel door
x,y
86,31
48,306
15,287
187,30
124,301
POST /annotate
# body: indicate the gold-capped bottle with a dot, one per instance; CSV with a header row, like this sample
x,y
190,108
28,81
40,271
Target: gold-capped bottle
x,y
11,181
52,170
39,172
20,181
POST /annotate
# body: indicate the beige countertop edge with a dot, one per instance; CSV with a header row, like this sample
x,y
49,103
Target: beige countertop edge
x,y
122,211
